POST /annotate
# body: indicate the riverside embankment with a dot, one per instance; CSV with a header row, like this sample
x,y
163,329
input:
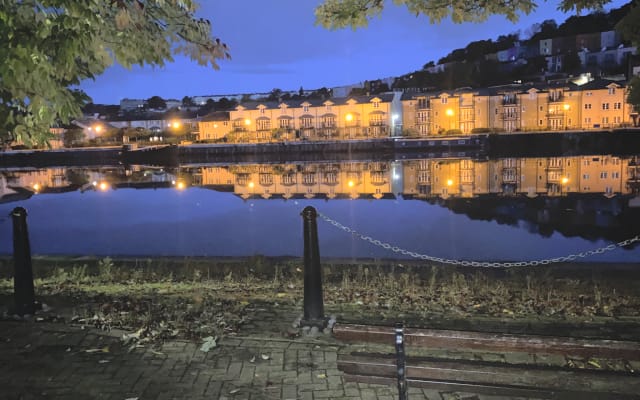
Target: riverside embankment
x,y
619,142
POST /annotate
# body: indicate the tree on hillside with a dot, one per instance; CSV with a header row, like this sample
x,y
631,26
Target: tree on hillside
x,y
187,101
571,62
156,103
274,95
50,46
226,104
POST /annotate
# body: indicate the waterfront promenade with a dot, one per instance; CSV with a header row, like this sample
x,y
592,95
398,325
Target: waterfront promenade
x,y
53,360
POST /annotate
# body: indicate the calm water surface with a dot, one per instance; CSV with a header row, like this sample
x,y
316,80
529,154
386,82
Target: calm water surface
x,y
512,209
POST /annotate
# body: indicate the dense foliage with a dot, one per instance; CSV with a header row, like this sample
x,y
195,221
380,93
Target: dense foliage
x,y
50,46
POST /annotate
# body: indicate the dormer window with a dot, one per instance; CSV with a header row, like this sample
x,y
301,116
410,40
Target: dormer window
x,y
376,104
305,108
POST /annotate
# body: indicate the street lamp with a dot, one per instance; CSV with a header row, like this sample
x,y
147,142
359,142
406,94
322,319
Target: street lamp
x,y
449,113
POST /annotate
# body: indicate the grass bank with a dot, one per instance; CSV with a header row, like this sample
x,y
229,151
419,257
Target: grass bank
x,y
193,298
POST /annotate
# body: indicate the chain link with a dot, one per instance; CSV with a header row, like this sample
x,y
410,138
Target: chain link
x,y
483,264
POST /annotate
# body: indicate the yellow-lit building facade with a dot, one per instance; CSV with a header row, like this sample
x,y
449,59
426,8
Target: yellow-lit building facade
x,y
517,108
359,117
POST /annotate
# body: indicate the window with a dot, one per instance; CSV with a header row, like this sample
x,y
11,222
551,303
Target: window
x,y
603,175
612,90
587,106
443,100
605,120
376,104
305,108
377,120
306,122
617,106
285,123
289,179
422,103
262,111
605,106
329,121
615,175
263,124
587,120
585,176
328,107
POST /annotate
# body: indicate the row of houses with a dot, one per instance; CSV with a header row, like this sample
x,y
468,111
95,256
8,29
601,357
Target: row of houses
x,y
599,104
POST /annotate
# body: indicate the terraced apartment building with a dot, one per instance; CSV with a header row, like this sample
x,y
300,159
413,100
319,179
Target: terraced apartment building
x,y
599,104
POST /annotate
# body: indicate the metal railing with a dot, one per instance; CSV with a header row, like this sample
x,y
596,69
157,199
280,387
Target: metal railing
x,y
484,264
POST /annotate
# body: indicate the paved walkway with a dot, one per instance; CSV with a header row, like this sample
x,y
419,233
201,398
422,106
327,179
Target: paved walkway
x,y
42,360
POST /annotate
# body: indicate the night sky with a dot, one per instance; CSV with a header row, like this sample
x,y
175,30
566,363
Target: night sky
x,y
275,44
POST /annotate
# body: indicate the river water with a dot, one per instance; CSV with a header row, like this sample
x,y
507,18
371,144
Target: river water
x,y
515,209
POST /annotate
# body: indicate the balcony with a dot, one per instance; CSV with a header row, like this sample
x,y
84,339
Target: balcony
x,y
556,99
510,102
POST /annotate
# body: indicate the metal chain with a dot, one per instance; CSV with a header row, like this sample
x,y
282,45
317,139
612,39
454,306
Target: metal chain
x,y
484,264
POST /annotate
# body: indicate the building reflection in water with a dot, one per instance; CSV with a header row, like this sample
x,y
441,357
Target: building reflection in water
x,y
416,179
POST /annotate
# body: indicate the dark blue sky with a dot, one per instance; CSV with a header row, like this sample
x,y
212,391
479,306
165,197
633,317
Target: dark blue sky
x,y
275,44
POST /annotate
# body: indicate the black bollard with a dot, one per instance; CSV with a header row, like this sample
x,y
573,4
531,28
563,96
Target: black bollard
x,y
313,303
401,362
23,293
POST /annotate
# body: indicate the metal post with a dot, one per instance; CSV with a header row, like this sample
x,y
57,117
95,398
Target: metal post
x,y
313,303
401,362
23,293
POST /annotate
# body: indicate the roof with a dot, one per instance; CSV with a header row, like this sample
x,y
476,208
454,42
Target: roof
x,y
216,116
384,97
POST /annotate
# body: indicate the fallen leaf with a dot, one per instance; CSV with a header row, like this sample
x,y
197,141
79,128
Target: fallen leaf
x,y
234,391
322,376
209,343
594,363
265,356
253,359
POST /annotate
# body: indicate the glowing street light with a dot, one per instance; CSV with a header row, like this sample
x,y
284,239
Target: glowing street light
x,y
565,180
350,183
349,117
36,187
247,121
449,112
449,182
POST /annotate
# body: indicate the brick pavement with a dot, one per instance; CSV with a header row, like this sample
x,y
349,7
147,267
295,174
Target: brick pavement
x,y
58,361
